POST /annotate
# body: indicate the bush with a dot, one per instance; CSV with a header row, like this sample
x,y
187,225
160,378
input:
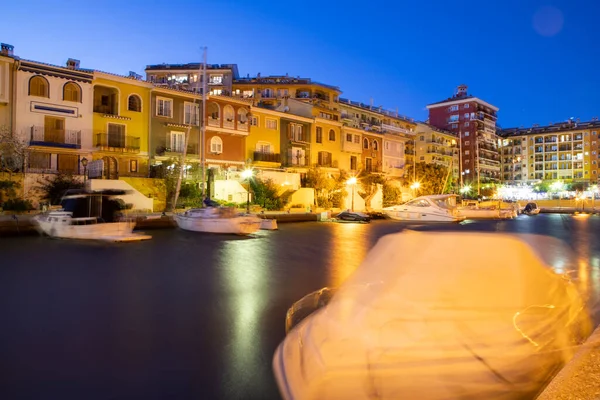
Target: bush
x,y
53,188
17,205
265,194
392,195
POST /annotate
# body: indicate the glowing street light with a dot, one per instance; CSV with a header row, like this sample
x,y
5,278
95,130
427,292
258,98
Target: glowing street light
x,y
465,189
247,174
352,182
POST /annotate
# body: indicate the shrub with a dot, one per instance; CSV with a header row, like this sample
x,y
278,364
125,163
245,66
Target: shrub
x,y
53,188
17,205
265,194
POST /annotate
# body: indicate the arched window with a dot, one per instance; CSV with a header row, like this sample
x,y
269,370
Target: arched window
x,y
365,143
216,145
242,115
213,110
72,92
38,86
375,145
332,135
228,113
134,103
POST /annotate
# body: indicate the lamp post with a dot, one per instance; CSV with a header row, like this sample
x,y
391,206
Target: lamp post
x,y
84,162
594,191
352,182
247,174
415,186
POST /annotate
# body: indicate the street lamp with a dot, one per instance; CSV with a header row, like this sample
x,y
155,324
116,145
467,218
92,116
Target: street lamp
x,y
247,174
352,182
84,162
415,186
594,192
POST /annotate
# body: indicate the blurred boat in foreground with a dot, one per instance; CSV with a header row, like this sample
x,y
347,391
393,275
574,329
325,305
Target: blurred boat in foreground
x,y
420,319
89,216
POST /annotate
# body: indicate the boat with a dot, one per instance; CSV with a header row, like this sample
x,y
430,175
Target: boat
x,y
435,208
474,210
268,224
216,219
90,216
420,319
352,216
531,209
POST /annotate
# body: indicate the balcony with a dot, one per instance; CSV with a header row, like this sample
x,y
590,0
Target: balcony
x,y
267,157
242,126
396,129
64,138
351,147
213,121
192,149
229,123
117,142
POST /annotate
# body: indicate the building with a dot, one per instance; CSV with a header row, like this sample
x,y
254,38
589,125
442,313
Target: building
x,y
228,121
53,113
474,122
383,136
263,144
121,122
437,146
174,113
189,77
296,135
7,62
565,151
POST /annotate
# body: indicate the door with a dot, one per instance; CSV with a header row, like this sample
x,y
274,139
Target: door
x,y
369,164
111,168
54,129
116,135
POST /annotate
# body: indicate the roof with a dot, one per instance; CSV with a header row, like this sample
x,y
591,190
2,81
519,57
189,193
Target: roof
x,y
282,80
436,129
377,110
567,126
191,66
76,74
462,99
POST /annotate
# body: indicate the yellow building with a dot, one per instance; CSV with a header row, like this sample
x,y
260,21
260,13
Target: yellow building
x,y
326,145
263,144
121,107
6,86
437,146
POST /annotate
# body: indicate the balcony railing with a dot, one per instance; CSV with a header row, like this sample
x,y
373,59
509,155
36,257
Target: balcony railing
x,y
267,157
65,138
106,109
351,147
117,142
192,149
228,123
393,128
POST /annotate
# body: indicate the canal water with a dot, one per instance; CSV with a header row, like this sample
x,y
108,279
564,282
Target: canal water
x,y
193,316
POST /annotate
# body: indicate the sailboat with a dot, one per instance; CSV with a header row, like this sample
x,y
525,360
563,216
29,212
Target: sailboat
x,y
212,218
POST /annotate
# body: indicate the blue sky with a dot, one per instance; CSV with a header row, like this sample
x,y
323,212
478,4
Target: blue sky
x,y
535,60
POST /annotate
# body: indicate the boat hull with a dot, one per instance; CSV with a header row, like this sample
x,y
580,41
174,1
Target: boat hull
x,y
235,225
479,213
110,231
401,215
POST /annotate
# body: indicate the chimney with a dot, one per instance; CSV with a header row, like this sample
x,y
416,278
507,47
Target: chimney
x,y
371,107
72,63
461,90
6,49
135,76
286,74
258,75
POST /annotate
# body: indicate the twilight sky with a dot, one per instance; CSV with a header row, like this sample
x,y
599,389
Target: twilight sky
x,y
536,60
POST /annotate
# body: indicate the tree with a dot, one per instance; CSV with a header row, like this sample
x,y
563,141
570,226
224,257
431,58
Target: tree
x,y
54,187
265,194
431,177
392,194
368,184
13,150
318,180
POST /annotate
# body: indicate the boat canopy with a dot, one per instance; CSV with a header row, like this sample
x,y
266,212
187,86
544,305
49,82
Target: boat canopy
x,y
421,319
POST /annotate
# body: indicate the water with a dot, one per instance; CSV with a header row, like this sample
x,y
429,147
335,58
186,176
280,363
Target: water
x,y
188,315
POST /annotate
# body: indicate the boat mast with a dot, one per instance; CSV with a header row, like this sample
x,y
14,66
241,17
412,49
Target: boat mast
x,y
203,129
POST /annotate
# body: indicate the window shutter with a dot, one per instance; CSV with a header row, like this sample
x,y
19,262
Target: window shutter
x,y
320,158
289,132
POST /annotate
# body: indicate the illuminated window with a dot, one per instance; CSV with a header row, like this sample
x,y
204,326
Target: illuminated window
x,y
365,143
331,135
216,145
271,123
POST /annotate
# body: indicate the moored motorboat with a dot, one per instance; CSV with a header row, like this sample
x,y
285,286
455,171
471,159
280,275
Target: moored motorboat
x,y
474,210
531,209
213,219
268,224
88,216
436,208
352,216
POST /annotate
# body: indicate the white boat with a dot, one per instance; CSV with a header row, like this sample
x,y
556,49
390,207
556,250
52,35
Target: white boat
x,y
473,210
268,224
437,208
422,319
218,220
88,216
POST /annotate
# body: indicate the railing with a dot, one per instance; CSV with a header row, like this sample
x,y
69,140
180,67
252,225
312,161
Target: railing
x,y
213,121
228,124
393,128
66,138
267,157
242,126
117,142
109,109
191,150
351,147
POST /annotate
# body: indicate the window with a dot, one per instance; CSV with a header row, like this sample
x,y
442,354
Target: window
x,y
297,156
595,133
357,139
295,132
191,113
349,137
467,143
467,161
164,107
177,141
466,133
255,120
466,106
116,135
242,116
453,108
324,159
72,92
38,86
213,111
39,160
216,145
267,93
467,152
228,113
466,116
422,158
134,103
215,80
263,147
466,124
319,136
331,135
375,145
454,126
271,123
133,166
216,92
454,118
353,163
422,138
365,143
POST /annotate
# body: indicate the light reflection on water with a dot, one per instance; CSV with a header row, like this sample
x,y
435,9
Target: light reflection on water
x,y
349,246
